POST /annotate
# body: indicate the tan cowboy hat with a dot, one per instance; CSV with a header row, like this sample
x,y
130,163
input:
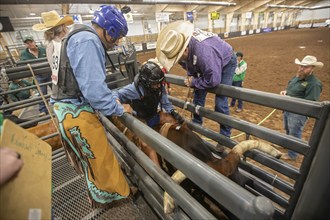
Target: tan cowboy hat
x,y
309,61
172,42
52,19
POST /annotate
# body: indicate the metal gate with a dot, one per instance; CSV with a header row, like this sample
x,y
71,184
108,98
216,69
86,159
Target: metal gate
x,y
262,198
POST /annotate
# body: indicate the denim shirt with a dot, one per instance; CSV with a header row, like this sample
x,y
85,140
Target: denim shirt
x,y
129,93
87,59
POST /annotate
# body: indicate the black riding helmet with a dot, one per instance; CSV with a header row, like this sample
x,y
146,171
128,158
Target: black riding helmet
x,y
150,74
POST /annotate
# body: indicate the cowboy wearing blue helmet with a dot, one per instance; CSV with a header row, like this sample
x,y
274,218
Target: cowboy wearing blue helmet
x,y
113,23
78,68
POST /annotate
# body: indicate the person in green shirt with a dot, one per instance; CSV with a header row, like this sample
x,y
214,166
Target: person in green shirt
x,y
32,51
238,79
304,85
21,95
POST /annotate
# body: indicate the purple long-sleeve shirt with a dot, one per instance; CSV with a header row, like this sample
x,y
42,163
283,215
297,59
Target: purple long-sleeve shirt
x,y
206,60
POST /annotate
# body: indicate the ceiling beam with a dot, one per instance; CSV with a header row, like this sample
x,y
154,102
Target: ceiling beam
x,y
239,5
253,5
264,8
217,8
65,9
138,2
161,7
191,7
300,3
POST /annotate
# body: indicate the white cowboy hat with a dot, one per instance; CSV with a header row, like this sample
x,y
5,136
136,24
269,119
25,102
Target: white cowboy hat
x,y
172,42
52,19
309,61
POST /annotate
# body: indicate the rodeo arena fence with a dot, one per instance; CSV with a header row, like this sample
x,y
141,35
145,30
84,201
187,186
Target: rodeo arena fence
x,y
260,198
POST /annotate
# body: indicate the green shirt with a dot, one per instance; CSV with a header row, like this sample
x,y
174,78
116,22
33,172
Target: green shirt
x,y
21,95
240,71
309,88
1,121
26,55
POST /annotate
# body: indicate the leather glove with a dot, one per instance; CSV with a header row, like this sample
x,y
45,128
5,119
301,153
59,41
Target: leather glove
x,y
177,116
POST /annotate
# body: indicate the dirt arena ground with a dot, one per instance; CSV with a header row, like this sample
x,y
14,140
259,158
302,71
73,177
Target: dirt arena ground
x,y
270,58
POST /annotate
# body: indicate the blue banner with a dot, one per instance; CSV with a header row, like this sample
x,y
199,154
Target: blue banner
x,y
266,30
190,16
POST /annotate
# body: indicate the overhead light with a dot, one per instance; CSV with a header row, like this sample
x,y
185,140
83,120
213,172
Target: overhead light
x,y
289,6
32,13
191,2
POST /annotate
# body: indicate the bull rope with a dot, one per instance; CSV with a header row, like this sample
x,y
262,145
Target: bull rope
x,y
238,135
262,121
43,98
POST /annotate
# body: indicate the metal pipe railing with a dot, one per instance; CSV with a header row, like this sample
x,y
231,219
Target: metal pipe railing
x,y
263,159
23,106
24,88
187,203
296,105
250,128
14,104
319,133
233,197
145,183
318,110
32,121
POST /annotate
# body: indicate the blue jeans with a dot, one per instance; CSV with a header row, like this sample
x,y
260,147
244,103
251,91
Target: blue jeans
x,y
233,100
43,79
221,102
294,126
154,121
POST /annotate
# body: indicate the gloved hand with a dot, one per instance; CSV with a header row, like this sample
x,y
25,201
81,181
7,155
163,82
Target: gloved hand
x,y
177,116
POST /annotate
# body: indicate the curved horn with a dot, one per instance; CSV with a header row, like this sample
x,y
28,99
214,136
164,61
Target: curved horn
x,y
164,129
169,206
244,146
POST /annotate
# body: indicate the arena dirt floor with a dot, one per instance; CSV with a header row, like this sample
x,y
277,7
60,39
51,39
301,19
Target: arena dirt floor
x,y
270,58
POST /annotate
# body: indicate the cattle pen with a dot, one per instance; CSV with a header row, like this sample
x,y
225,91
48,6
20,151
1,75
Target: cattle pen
x,y
276,188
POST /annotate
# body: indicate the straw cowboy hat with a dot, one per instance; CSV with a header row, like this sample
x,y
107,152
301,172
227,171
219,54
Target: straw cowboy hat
x,y
309,61
172,42
52,19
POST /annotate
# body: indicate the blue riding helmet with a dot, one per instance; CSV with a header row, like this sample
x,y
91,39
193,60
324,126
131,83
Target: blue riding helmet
x,y
112,20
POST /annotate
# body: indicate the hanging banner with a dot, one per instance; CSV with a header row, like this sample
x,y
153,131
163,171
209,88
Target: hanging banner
x,y
215,15
129,17
248,15
162,17
76,18
190,16
151,45
138,47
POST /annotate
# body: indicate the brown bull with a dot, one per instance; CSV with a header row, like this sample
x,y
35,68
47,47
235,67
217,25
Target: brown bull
x,y
44,129
191,142
149,151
